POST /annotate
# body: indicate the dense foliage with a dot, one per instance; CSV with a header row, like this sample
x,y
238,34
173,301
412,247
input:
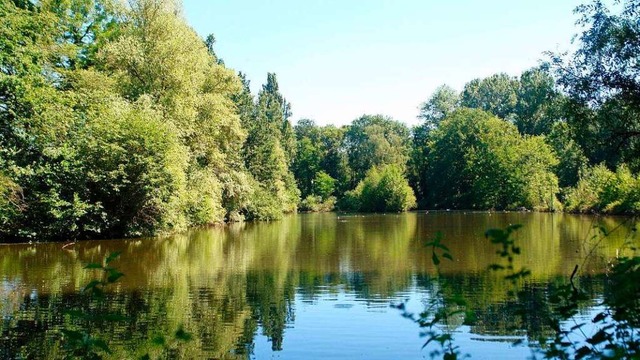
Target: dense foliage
x,y
603,190
478,161
383,189
105,132
121,121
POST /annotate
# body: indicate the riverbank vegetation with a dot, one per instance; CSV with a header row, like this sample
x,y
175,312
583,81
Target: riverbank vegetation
x,y
120,120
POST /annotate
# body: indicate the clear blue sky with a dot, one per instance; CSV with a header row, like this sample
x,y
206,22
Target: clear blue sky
x,y
338,59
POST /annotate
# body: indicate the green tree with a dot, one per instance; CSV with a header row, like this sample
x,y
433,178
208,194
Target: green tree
x,y
375,140
105,132
383,189
308,156
444,101
602,80
418,162
335,161
323,185
539,103
194,92
37,122
84,27
572,159
270,146
476,160
320,149
603,190
497,94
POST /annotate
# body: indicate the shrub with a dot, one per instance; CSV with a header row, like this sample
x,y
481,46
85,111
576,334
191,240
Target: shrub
x,y
314,203
602,190
382,189
323,185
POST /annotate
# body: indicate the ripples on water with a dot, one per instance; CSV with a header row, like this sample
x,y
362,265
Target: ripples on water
x,y
310,286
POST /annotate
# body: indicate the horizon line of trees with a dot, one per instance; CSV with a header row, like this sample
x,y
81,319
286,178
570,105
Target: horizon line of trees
x,y
119,120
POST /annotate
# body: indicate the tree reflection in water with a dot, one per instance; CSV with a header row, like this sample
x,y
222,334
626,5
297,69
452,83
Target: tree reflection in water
x,y
229,287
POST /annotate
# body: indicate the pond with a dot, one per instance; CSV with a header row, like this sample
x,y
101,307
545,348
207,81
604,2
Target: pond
x,y
311,286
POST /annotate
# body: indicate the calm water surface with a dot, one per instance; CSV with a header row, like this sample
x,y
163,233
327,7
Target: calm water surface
x,y
312,286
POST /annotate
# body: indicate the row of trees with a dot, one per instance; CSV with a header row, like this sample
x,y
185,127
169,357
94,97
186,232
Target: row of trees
x,y
121,121
565,133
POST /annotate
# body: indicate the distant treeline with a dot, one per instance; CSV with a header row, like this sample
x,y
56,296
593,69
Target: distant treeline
x,y
119,120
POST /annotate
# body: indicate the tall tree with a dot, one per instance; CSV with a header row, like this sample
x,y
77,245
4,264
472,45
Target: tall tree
x,y
193,92
497,94
308,155
320,154
270,145
375,140
602,79
539,103
444,101
479,161
243,99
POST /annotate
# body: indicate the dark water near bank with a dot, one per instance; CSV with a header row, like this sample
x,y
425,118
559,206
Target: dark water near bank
x,y
310,286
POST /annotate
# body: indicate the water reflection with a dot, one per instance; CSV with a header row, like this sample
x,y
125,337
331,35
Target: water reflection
x,y
310,285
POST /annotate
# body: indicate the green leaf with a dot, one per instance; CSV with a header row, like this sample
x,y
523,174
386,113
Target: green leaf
x,y
93,266
443,247
435,259
114,255
114,276
91,286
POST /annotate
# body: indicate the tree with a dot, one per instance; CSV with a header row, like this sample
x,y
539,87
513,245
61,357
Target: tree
x,y
602,80
572,159
192,90
384,188
471,152
105,132
539,103
85,26
270,146
40,164
335,161
418,161
444,101
375,141
531,101
309,154
602,190
323,185
210,42
319,151
497,94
